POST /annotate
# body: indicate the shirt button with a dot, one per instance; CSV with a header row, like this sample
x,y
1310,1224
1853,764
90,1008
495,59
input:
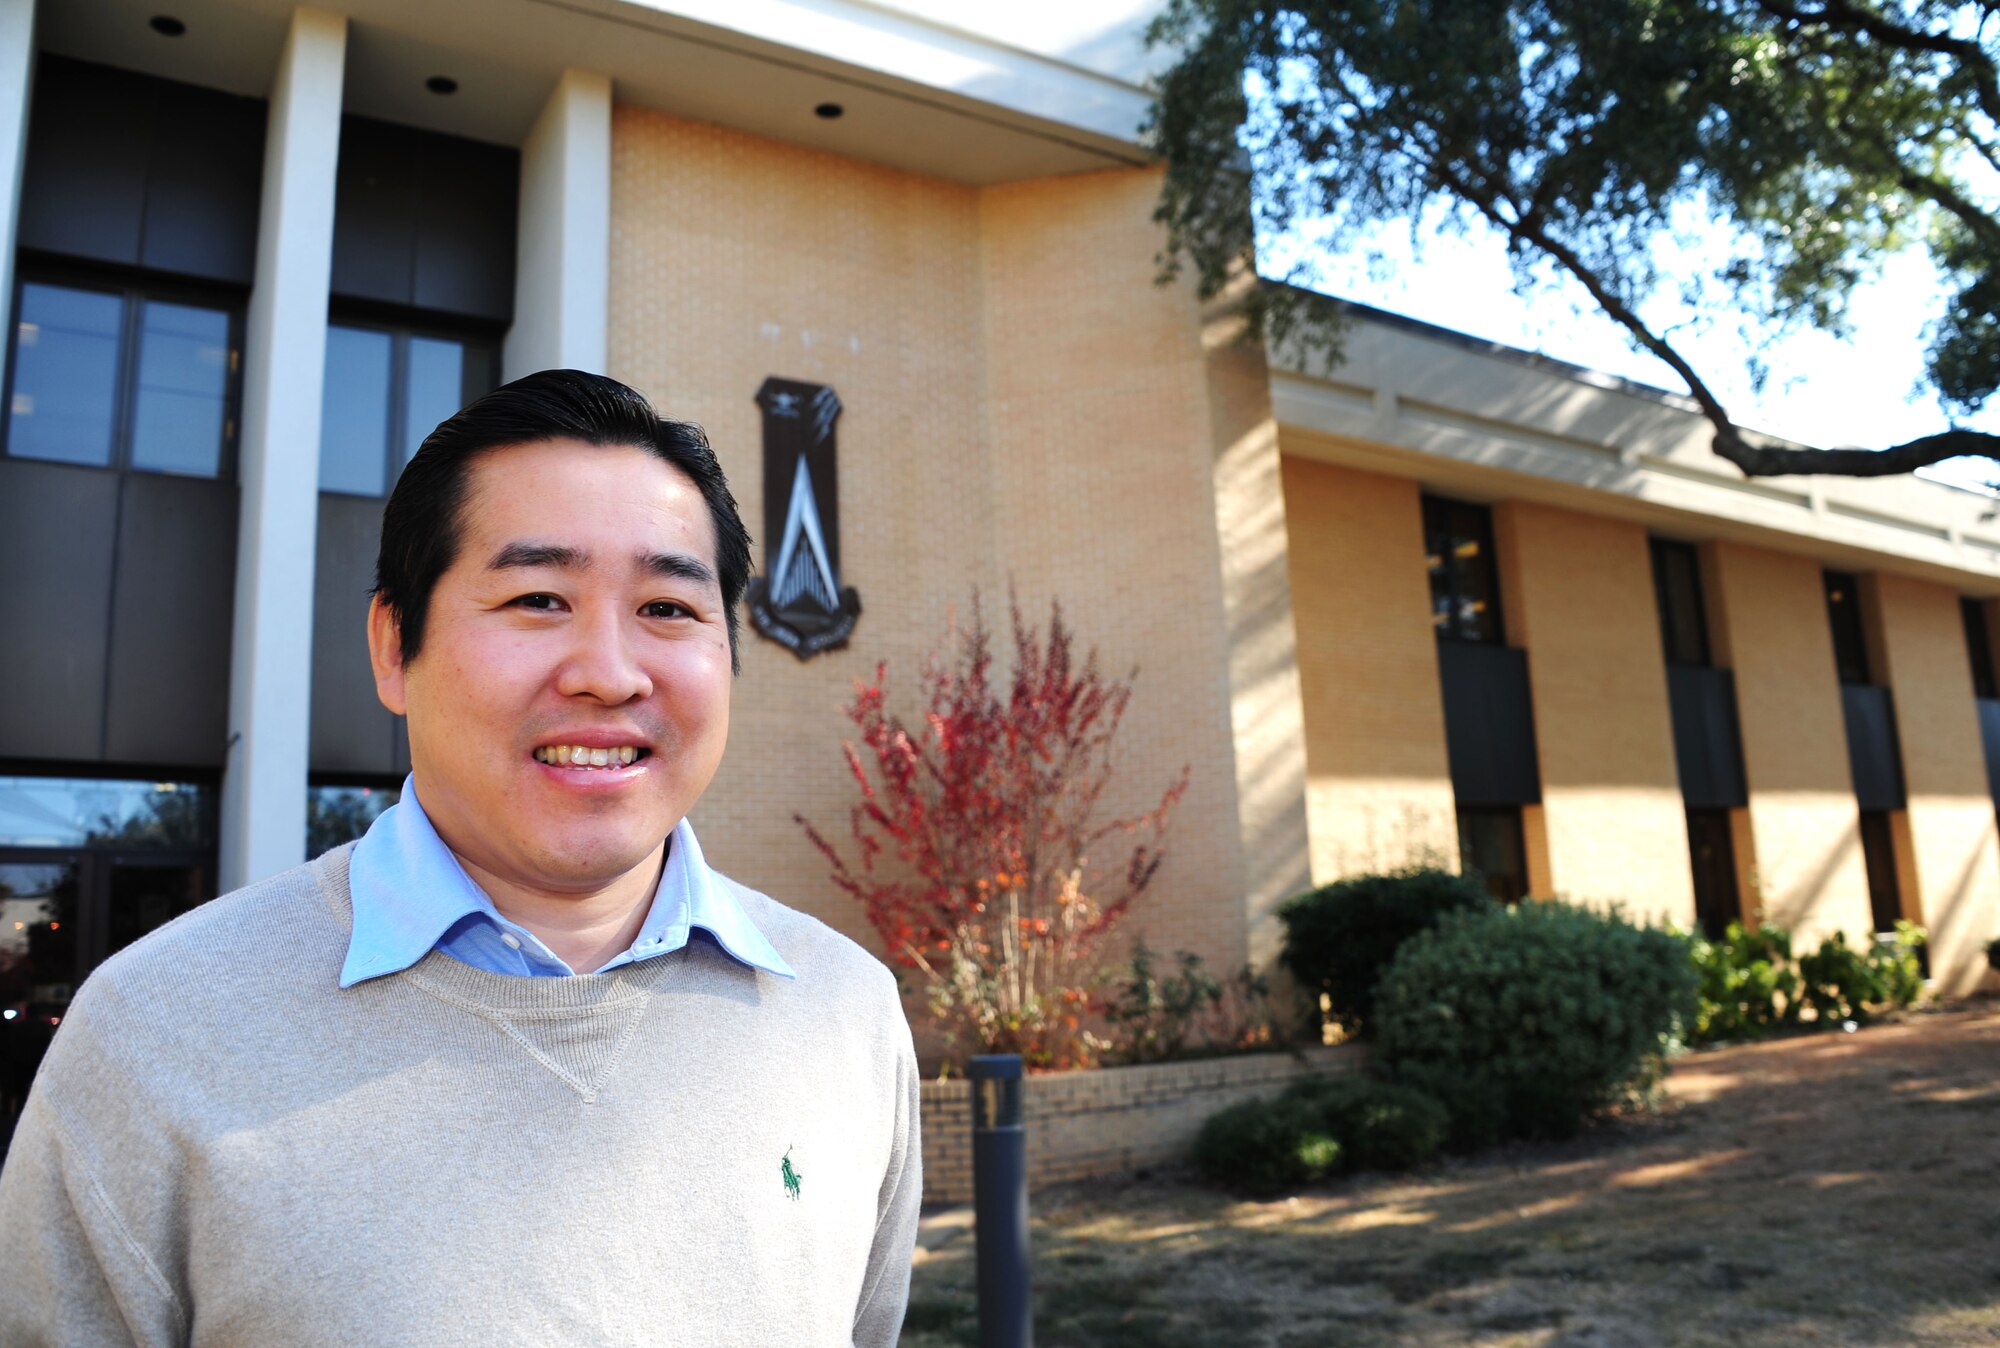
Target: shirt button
x,y
511,941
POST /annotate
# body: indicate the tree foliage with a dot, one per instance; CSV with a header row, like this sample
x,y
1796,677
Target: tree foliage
x,y
1824,133
979,835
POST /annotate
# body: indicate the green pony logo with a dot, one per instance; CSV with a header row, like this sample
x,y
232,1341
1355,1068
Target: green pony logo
x,y
791,1176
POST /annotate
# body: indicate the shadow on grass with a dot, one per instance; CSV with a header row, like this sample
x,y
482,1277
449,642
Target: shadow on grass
x,y
1835,1191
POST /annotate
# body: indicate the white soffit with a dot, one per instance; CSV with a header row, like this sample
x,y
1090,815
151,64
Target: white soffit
x,y
965,103
1463,416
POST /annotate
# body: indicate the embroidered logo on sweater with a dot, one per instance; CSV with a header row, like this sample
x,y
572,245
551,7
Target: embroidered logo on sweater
x,y
791,1176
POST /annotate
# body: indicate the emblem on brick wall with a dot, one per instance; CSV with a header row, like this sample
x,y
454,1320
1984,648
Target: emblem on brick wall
x,y
799,601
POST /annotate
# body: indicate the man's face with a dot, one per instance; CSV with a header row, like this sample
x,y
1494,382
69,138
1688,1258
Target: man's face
x,y
582,610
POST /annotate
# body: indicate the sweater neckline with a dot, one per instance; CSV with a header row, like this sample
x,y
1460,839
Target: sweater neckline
x,y
511,994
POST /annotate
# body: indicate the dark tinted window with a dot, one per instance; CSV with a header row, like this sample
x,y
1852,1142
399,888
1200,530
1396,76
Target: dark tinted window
x,y
103,812
1713,855
1491,848
386,389
1979,646
180,402
122,378
337,814
1677,588
1878,855
1843,611
1464,573
66,358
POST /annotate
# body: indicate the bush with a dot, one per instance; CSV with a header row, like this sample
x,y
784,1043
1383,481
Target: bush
x,y
1153,1016
1340,938
1265,1146
1379,1124
1842,983
1749,987
1527,1021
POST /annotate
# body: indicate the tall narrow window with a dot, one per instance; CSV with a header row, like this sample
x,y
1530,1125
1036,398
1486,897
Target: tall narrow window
x,y
1464,575
1843,611
1878,856
1492,848
1712,853
1979,646
386,389
1677,587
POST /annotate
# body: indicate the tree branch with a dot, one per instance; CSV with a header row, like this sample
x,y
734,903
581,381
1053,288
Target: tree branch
x,y
1756,460
1843,16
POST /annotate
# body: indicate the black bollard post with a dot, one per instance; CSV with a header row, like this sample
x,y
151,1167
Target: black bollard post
x,y
1000,1201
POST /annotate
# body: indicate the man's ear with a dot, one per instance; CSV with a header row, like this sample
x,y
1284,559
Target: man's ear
x,y
385,654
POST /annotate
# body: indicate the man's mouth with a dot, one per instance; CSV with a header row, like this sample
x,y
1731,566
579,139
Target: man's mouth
x,y
580,756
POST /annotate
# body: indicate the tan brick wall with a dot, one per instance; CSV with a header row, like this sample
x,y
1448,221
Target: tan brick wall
x,y
1579,599
1118,1119
1102,491
1022,402
1379,783
1768,612
1952,843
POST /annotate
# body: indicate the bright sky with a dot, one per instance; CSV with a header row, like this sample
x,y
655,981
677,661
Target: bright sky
x,y
1823,391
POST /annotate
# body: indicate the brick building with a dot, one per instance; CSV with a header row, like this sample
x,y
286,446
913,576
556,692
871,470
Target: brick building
x,y
1443,601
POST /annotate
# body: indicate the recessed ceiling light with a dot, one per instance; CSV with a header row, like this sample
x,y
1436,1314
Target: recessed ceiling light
x,y
166,25
441,84
828,111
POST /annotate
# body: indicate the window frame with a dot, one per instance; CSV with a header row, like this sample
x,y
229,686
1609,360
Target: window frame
x,y
1979,646
1433,501
400,328
133,291
1661,549
1860,662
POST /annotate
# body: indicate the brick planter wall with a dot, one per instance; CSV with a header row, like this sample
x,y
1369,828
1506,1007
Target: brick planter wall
x,y
1113,1119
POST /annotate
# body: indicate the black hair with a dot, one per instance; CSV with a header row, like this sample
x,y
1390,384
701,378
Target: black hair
x,y
421,524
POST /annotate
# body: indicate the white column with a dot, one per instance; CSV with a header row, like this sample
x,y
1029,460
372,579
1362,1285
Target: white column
x,y
270,675
17,69
563,262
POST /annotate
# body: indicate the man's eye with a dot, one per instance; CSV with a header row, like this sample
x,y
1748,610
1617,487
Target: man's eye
x,y
537,601
666,608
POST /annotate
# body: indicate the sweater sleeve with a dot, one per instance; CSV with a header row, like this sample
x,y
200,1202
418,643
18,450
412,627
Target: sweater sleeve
x,y
878,1319
75,1278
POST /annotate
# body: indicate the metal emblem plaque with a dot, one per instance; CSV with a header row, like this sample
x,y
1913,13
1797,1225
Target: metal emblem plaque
x,y
799,601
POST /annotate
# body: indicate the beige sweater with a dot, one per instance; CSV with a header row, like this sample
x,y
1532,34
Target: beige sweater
x,y
224,1148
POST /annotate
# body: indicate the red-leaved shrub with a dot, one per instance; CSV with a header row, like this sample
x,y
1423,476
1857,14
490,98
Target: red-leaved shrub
x,y
976,832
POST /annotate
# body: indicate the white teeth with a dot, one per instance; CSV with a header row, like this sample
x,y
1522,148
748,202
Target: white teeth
x,y
581,756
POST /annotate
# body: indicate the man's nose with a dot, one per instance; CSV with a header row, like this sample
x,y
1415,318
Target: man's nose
x,y
602,662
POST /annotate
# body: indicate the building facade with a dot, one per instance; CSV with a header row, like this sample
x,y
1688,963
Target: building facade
x,y
1441,602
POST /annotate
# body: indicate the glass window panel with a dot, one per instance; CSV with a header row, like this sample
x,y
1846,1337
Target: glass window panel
x,y
340,814
1491,848
38,967
1465,590
65,375
1979,645
436,388
180,406
1677,586
354,413
1843,611
92,812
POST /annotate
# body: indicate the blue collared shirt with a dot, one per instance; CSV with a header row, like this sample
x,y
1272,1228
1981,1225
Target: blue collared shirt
x,y
411,896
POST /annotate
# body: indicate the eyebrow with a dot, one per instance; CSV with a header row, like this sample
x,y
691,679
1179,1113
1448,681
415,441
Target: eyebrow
x,y
671,565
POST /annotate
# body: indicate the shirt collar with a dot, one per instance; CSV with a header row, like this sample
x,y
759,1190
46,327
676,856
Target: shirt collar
x,y
408,890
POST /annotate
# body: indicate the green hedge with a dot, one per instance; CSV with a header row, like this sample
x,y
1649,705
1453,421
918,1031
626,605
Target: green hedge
x,y
1752,983
1526,1021
1341,938
1265,1146
1380,1125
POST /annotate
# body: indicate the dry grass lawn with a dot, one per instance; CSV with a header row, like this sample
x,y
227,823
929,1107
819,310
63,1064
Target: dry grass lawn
x,y
1838,1189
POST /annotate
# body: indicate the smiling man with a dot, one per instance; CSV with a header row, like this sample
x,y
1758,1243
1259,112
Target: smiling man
x,y
517,1067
